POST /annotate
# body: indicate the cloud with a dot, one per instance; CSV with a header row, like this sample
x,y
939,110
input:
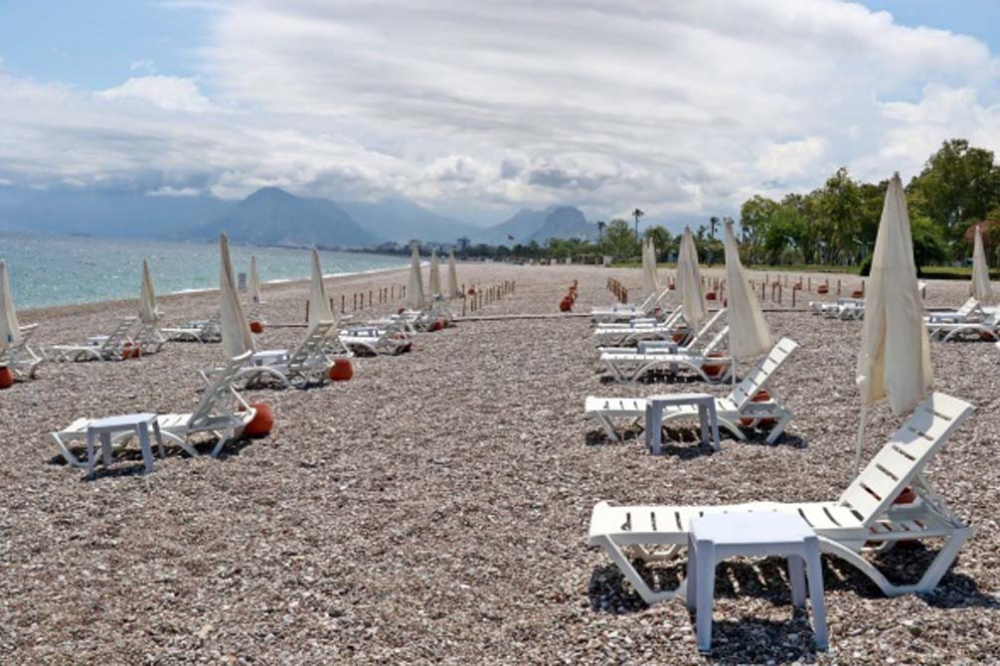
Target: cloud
x,y
682,109
168,191
171,93
147,66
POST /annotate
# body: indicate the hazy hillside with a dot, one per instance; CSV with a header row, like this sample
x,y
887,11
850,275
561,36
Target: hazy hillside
x,y
400,220
104,213
271,216
529,225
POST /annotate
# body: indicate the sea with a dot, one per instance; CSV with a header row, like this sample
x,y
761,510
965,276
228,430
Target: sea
x,y
65,270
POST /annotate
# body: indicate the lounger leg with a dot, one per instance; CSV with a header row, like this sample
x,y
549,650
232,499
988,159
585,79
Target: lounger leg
x,y
607,426
939,567
625,566
779,428
90,452
815,568
159,439
927,582
705,591
147,452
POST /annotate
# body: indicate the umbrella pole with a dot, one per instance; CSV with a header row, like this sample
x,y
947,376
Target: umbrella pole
x,y
861,440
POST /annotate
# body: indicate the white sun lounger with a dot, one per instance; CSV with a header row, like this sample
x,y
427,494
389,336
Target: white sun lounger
x,y
373,340
307,363
630,366
863,519
149,338
622,339
22,360
948,331
624,311
835,310
970,311
205,331
222,411
736,412
99,348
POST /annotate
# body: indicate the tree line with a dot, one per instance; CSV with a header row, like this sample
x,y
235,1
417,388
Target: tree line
x,y
833,225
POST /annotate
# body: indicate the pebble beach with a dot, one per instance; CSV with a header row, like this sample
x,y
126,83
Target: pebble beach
x,y
434,510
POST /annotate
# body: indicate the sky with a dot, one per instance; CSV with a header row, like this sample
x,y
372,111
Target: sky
x,y
478,109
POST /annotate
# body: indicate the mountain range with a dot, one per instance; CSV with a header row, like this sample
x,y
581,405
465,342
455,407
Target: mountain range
x,y
269,216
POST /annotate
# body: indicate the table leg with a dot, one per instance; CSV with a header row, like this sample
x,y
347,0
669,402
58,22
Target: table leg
x,y
106,448
690,585
159,439
714,414
655,425
142,430
705,591
703,422
815,568
91,436
797,580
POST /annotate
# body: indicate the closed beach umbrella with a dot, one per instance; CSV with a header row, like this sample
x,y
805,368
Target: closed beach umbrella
x,y
653,268
10,331
689,281
236,336
435,281
319,304
895,358
256,286
649,282
749,334
148,313
453,290
981,289
415,287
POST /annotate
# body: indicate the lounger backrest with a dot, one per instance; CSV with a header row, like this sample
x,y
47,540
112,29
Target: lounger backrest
x,y
312,345
745,391
904,456
221,396
969,307
10,354
717,340
706,327
119,336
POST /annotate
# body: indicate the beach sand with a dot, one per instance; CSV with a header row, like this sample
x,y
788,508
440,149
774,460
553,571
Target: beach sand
x,y
435,508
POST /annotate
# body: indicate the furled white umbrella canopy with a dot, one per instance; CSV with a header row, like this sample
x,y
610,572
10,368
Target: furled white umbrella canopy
x,y
895,357
689,281
453,289
319,303
981,288
415,287
650,281
256,286
749,334
236,336
10,330
148,313
435,277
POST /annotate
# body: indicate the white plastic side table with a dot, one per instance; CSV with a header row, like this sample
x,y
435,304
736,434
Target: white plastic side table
x,y
707,416
105,428
716,537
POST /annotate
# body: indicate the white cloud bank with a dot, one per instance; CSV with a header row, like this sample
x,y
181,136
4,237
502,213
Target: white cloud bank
x,y
680,108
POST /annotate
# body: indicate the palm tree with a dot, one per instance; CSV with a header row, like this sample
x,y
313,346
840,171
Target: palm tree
x,y
600,231
637,214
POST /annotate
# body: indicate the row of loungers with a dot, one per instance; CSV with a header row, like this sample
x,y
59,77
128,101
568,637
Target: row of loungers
x,y
222,411
867,517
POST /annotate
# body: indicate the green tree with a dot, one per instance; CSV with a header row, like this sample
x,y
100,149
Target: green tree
x,y
958,186
619,241
663,241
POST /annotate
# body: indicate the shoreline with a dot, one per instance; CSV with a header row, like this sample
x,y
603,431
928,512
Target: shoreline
x,y
281,283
